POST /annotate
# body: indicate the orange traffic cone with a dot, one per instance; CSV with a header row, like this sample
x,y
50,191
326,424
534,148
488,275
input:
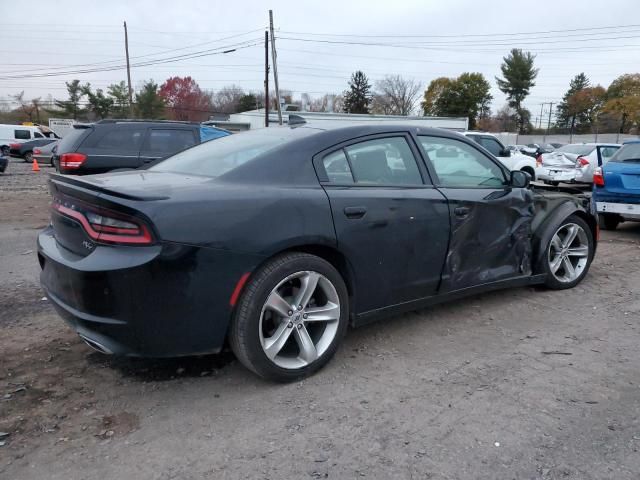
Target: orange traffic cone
x,y
35,167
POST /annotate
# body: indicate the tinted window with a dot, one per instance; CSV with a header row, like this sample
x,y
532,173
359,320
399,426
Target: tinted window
x,y
384,161
577,149
460,165
68,143
121,138
169,141
22,134
628,153
213,159
492,145
337,167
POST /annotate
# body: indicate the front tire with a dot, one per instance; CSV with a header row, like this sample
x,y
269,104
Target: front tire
x,y
291,317
568,254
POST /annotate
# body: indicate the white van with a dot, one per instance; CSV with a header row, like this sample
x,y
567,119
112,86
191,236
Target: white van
x,y
19,134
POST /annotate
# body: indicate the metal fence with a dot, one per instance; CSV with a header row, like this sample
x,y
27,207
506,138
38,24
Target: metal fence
x,y
515,139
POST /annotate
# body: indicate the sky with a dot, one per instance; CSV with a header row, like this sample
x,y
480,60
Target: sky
x,y
319,44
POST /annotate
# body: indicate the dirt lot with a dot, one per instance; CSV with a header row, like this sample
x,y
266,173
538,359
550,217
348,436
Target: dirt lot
x,y
519,384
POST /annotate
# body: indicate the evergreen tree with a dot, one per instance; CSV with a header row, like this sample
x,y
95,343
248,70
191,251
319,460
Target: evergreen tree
x,y
71,107
358,97
565,118
519,75
149,103
119,92
99,103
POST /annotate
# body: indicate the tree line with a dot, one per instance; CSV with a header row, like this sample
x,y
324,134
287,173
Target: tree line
x,y
584,107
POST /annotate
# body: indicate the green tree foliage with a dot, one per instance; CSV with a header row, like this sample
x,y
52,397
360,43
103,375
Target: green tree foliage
x,y
71,108
584,106
119,92
149,103
247,102
468,95
623,100
358,97
99,104
564,118
519,75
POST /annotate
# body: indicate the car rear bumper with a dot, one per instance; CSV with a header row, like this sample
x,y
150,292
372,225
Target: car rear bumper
x,y
160,301
626,210
553,174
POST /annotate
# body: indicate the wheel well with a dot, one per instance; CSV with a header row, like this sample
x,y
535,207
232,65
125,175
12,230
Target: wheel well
x,y
530,171
591,221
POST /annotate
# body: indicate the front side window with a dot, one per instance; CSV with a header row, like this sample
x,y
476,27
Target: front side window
x,y
124,139
38,135
383,161
492,145
22,134
459,165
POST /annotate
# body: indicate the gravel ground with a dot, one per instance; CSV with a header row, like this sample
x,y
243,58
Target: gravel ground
x,y
517,384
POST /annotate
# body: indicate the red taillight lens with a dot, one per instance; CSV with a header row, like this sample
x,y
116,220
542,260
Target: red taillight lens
x,y
581,162
598,177
14,146
37,151
105,226
72,161
539,160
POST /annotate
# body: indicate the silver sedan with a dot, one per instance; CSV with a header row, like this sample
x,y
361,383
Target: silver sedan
x,y
574,163
44,154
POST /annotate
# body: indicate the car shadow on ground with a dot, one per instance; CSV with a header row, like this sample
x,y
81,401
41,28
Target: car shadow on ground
x,y
164,369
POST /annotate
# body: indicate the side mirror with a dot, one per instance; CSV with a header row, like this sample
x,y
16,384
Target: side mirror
x,y
519,179
505,152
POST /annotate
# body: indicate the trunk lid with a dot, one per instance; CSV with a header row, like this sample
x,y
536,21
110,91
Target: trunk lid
x,y
622,178
559,159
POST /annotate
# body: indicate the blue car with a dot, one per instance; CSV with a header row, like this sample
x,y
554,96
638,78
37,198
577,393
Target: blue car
x,y
616,187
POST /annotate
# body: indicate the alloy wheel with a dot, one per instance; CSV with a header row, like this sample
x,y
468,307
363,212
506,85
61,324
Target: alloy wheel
x,y
568,253
299,319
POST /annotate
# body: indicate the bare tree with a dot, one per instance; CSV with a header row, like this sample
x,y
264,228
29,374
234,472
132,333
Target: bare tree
x,y
327,103
395,95
227,99
28,107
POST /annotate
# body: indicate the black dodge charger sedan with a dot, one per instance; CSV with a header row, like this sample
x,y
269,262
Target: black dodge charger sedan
x,y
277,239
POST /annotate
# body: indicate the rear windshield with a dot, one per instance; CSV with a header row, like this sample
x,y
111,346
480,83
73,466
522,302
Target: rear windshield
x,y
628,153
220,156
577,149
68,143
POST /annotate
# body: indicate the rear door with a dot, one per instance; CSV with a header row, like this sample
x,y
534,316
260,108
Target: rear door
x,y
390,221
490,221
162,142
112,146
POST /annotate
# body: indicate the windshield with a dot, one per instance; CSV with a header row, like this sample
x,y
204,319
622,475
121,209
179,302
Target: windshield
x,y
628,153
220,156
576,149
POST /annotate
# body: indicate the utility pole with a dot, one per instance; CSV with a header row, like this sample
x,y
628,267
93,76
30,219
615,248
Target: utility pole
x,y
266,78
541,110
549,122
275,66
126,49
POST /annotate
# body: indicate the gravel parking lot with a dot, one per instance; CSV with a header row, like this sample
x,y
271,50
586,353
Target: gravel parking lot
x,y
516,384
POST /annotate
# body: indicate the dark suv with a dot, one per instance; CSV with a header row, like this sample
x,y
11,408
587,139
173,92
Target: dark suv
x,y
110,144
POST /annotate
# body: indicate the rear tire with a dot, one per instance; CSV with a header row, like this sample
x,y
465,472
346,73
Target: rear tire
x,y
279,340
608,221
28,157
568,253
5,151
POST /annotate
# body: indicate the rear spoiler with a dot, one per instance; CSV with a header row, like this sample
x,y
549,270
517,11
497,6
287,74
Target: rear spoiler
x,y
85,188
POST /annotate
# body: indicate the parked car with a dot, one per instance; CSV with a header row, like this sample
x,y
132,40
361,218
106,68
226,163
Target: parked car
x,y
574,163
616,187
19,134
512,160
45,153
535,150
278,238
25,150
113,144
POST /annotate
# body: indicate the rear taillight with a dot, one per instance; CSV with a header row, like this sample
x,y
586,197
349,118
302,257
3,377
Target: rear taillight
x,y
14,146
539,160
72,161
37,151
104,226
581,162
598,177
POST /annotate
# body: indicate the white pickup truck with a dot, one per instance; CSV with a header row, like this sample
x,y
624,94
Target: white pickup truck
x,y
512,160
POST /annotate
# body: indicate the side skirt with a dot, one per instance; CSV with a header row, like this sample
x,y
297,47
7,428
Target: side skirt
x,y
374,315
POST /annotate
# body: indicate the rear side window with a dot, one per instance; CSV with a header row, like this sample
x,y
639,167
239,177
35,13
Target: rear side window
x,y
169,140
68,143
22,134
121,138
383,161
337,167
607,152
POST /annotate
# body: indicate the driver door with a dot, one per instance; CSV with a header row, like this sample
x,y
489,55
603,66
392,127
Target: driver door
x,y
490,220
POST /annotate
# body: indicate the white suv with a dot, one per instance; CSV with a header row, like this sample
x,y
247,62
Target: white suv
x,y
512,160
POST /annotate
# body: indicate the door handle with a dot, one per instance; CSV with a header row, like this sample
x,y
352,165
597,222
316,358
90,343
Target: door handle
x,y
148,160
461,212
355,212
